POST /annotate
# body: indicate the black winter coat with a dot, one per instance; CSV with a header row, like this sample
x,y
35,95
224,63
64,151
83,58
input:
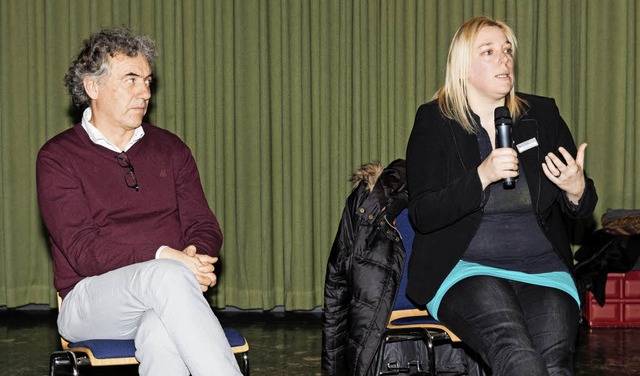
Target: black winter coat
x,y
363,271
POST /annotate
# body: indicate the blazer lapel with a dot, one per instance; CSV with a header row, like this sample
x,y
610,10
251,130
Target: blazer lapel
x,y
466,146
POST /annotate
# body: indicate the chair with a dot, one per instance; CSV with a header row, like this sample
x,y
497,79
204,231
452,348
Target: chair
x,y
111,352
408,323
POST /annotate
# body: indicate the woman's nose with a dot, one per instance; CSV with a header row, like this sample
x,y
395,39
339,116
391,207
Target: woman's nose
x,y
504,59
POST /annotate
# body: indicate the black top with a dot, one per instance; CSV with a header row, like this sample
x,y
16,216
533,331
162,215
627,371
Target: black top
x,y
509,236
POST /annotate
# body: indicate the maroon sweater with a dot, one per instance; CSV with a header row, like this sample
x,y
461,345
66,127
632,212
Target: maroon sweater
x,y
97,223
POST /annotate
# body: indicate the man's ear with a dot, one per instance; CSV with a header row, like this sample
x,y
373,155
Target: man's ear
x,y
91,86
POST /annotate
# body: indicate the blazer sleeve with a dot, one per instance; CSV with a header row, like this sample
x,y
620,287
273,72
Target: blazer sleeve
x,y
563,138
443,187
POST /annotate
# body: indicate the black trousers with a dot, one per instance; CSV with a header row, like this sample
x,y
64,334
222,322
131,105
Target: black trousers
x,y
517,328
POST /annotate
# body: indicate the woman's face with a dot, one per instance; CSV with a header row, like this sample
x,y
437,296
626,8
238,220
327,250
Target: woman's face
x,y
491,72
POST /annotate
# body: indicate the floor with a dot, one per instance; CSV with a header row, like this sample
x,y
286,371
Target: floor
x,y
281,344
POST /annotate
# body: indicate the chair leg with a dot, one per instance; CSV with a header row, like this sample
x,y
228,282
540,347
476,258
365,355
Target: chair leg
x,y
432,354
245,363
401,336
63,363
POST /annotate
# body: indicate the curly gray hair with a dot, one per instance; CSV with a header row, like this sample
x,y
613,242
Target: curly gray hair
x,y
93,59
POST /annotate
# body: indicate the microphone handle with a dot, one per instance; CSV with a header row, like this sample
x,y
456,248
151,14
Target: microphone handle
x,y
503,140
509,183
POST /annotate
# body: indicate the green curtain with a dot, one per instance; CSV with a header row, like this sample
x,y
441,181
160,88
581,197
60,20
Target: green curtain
x,y
281,100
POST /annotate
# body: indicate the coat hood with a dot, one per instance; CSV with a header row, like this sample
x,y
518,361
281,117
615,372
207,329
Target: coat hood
x,y
369,173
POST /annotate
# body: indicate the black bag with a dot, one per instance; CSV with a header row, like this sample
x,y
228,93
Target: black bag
x,y
601,254
411,358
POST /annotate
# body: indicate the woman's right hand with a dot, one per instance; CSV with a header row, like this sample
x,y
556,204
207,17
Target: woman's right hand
x,y
501,163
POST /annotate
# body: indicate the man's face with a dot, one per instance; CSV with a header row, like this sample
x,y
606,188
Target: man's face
x,y
120,100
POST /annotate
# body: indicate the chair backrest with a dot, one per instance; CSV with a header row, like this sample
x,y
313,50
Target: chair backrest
x,y
406,233
405,314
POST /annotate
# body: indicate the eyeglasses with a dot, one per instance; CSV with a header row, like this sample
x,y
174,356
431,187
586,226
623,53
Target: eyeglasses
x,y
129,176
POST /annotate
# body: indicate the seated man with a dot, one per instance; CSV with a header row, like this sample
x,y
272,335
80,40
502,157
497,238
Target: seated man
x,y
133,249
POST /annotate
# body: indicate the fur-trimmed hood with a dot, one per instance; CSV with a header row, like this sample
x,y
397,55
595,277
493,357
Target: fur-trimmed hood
x,y
369,173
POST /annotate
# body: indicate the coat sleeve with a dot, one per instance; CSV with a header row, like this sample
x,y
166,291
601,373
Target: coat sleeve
x,y
337,290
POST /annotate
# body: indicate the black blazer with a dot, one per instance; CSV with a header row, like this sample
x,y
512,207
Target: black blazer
x,y
446,196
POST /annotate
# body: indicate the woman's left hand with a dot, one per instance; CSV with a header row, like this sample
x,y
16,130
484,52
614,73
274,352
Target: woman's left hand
x,y
570,176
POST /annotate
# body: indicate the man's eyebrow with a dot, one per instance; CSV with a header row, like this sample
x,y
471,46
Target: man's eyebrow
x,y
138,75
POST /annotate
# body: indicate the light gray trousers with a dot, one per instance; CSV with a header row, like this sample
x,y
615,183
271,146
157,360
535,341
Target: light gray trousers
x,y
159,304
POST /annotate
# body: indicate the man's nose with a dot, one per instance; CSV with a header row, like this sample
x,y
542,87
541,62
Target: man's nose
x,y
144,91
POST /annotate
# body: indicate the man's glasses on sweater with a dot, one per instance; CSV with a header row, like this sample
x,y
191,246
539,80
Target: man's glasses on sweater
x,y
129,176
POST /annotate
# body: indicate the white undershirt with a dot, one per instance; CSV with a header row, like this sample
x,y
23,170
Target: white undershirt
x,y
99,139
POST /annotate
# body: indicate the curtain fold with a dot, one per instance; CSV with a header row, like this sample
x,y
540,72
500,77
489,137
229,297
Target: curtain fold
x,y
281,100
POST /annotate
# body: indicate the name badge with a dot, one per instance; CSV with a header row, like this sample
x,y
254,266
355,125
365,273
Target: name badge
x,y
526,145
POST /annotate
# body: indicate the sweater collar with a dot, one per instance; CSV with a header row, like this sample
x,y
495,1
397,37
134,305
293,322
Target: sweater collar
x,y
99,139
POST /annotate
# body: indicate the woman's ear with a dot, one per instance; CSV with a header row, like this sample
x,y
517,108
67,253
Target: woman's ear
x,y
91,87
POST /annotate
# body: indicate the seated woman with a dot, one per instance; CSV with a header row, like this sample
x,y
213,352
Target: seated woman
x,y
495,264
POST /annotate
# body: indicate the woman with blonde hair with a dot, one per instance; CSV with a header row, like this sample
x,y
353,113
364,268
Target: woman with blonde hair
x,y
495,264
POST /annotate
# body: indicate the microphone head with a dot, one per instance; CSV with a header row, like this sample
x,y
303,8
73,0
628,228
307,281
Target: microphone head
x,y
502,115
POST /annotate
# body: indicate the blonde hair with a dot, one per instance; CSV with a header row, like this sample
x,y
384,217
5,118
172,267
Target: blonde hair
x,y
452,97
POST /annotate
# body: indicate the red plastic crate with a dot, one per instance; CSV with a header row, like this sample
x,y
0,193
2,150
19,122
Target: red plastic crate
x,y
622,302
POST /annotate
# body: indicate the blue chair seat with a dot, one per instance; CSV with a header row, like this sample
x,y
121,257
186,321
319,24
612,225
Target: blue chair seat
x,y
415,320
114,348
235,339
107,348
112,352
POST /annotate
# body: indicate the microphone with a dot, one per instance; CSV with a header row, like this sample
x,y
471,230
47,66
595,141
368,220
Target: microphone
x,y
503,137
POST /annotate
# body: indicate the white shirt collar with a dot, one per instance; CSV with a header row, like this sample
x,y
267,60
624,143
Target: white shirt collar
x,y
98,138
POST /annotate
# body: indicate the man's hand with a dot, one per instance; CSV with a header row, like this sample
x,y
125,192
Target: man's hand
x,y
205,274
201,265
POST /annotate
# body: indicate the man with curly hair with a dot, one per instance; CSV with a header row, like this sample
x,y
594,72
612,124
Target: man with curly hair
x,y
133,249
